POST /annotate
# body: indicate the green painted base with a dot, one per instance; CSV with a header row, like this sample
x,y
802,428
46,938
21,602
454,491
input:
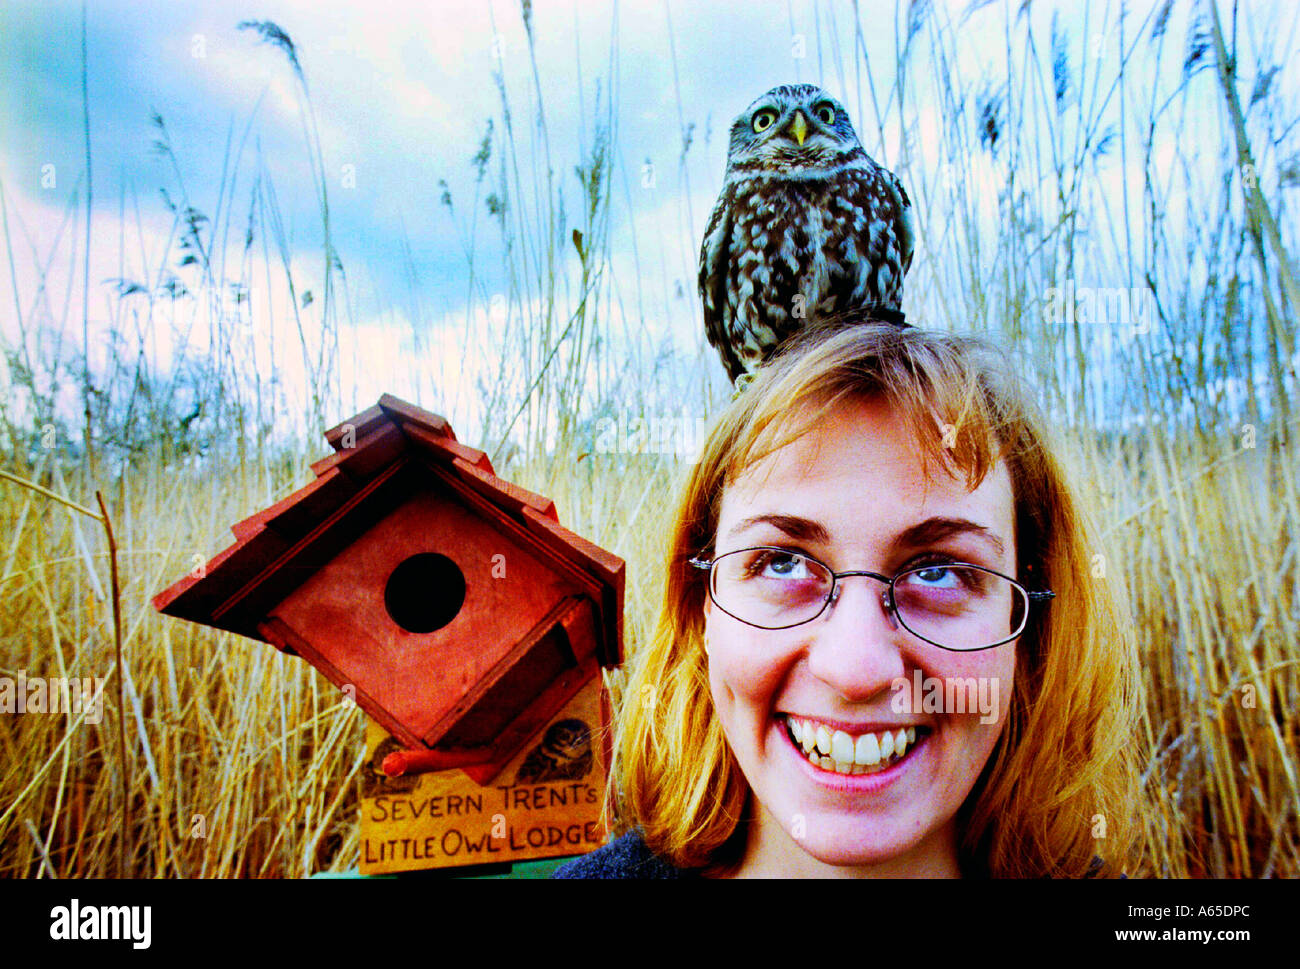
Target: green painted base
x,y
519,869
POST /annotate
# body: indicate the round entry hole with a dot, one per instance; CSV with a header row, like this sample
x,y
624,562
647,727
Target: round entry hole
x,y
425,592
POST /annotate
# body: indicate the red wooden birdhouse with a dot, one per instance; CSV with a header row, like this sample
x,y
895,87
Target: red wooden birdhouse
x,y
450,604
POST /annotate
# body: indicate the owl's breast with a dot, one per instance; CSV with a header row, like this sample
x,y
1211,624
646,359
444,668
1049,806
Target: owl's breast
x,y
806,246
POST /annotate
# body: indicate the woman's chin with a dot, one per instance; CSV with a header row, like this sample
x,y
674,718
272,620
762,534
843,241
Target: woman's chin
x,y
853,848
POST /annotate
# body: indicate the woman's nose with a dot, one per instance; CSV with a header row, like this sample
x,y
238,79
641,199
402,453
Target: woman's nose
x,y
857,644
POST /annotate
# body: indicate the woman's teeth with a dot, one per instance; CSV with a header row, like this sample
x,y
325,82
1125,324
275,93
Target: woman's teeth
x,y
837,751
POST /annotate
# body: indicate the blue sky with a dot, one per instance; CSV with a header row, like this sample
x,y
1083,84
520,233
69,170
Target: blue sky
x,y
402,93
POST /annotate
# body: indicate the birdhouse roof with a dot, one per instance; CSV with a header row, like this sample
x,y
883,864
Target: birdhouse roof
x,y
280,547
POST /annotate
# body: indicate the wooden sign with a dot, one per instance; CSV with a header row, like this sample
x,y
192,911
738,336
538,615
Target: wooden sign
x,y
546,803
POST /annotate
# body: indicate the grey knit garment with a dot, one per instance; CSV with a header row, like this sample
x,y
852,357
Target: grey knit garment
x,y
628,857
625,857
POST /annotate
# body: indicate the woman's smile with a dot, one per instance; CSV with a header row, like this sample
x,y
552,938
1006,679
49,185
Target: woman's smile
x,y
849,749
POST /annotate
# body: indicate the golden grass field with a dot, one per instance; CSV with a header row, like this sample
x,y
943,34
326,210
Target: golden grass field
x,y
244,762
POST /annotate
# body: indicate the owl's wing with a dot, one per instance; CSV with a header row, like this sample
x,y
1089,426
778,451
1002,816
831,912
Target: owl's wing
x,y
715,263
903,226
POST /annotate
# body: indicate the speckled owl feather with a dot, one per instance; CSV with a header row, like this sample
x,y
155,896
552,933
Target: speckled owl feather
x,y
807,225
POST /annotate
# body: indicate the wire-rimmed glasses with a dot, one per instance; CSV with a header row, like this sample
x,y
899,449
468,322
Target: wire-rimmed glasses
x,y
953,605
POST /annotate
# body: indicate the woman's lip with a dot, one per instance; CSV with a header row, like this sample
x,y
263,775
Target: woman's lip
x,y
853,783
874,726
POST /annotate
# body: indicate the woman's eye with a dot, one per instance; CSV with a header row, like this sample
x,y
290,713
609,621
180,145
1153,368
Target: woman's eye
x,y
789,567
935,571
763,120
826,113
939,576
779,565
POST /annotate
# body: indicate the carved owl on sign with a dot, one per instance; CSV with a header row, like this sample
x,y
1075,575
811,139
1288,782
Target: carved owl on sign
x,y
807,225
563,755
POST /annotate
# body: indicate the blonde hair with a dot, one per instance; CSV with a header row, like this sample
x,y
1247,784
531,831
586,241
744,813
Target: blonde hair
x,y
1060,788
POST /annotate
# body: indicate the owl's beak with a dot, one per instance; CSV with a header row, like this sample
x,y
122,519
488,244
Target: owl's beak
x,y
799,126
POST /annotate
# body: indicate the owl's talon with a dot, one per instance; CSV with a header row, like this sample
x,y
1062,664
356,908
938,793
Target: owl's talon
x,y
743,381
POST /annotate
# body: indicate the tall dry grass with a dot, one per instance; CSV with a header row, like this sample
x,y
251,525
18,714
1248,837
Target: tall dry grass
x,y
241,762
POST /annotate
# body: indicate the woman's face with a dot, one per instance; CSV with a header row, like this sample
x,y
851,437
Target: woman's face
x,y
852,494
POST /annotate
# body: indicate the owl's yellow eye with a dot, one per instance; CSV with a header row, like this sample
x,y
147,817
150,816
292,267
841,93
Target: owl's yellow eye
x,y
764,119
826,113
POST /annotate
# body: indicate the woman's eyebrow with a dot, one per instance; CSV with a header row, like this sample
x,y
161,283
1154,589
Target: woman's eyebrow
x,y
937,529
801,529
922,533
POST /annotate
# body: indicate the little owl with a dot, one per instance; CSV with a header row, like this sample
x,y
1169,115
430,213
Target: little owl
x,y
807,226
